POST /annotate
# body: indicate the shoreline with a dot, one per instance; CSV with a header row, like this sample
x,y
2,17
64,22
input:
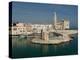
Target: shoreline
x,y
39,41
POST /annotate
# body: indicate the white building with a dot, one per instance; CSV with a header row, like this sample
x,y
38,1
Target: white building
x,y
62,25
66,24
38,27
21,28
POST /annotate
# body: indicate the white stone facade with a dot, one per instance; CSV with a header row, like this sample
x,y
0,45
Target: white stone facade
x,y
22,28
38,27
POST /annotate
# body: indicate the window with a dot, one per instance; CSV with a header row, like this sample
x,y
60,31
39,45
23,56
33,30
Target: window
x,y
20,30
15,29
23,30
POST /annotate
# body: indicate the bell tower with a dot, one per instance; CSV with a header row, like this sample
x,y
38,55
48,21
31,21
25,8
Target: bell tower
x,y
55,20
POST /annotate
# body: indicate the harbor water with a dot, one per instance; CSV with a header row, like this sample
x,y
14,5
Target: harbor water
x,y
24,48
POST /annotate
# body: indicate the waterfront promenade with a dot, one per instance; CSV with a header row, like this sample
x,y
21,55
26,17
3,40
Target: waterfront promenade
x,y
64,38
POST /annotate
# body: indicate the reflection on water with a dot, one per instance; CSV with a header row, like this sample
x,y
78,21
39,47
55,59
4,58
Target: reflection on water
x,y
25,48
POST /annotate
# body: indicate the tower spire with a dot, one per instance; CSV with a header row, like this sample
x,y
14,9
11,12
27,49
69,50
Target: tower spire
x,y
55,19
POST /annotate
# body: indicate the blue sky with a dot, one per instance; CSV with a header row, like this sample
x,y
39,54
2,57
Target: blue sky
x,y
43,13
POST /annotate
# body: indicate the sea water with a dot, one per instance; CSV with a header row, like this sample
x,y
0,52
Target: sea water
x,y
23,48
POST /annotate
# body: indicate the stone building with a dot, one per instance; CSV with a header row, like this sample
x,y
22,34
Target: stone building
x,y
62,25
21,28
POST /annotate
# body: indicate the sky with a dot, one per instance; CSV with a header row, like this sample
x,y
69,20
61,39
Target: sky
x,y
39,13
